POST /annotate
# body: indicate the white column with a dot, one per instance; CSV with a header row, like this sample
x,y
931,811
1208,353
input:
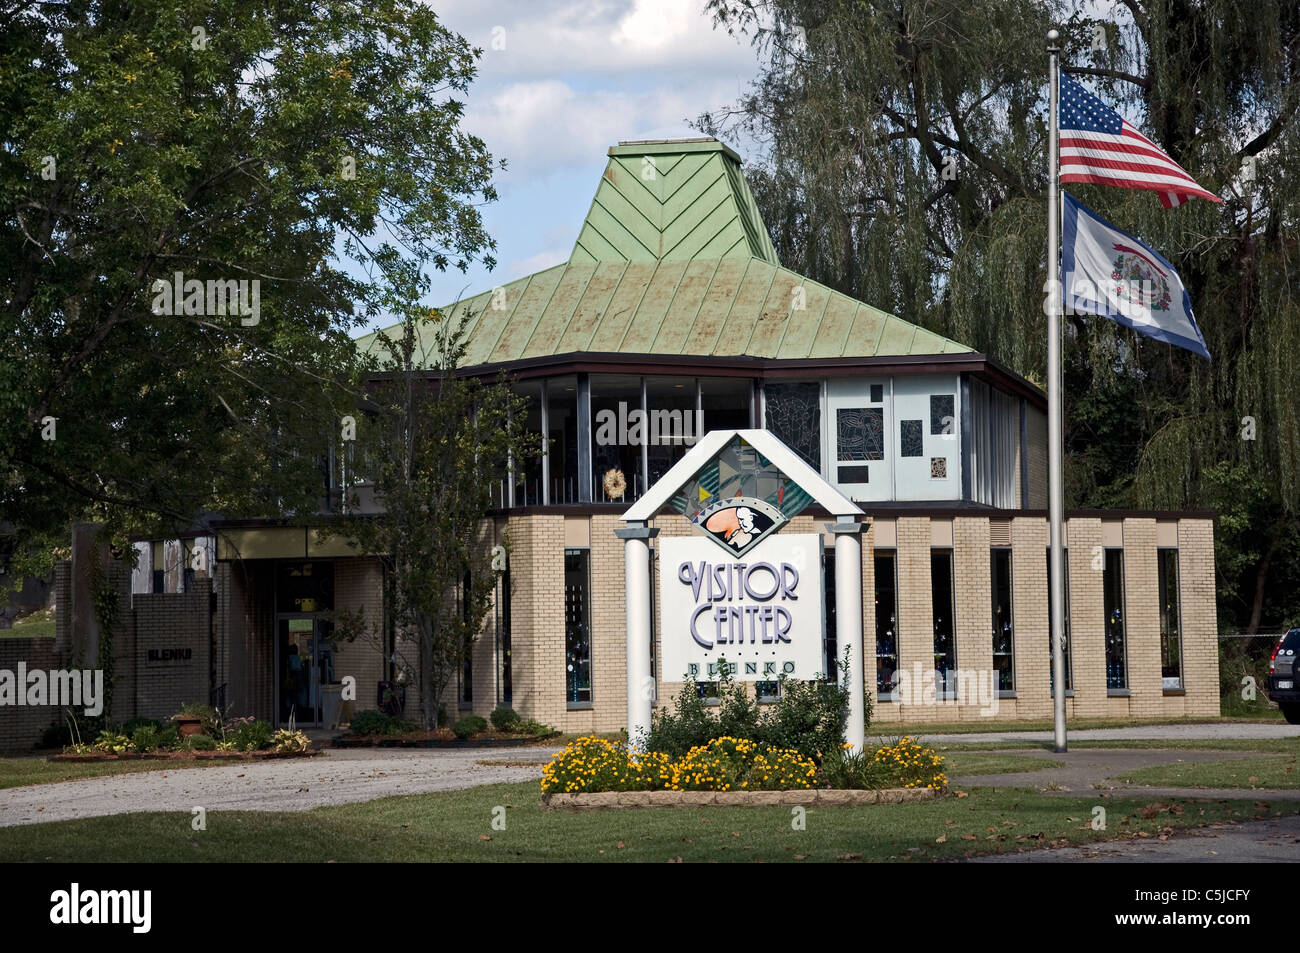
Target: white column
x,y
848,623
640,681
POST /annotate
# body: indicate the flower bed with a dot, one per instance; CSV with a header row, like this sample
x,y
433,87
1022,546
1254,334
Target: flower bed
x,y
591,765
89,756
144,738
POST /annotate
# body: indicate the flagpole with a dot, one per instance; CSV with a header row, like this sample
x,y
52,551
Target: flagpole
x,y
1055,465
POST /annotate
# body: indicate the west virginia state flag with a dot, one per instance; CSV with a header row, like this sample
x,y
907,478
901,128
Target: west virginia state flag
x,y
1109,272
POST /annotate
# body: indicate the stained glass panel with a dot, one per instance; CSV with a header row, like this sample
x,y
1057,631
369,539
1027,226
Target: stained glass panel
x,y
860,433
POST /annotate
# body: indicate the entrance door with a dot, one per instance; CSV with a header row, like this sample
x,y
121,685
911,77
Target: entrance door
x,y
305,663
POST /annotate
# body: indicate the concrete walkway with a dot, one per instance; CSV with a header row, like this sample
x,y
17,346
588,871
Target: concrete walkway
x,y
1276,840
300,784
1209,730
1095,771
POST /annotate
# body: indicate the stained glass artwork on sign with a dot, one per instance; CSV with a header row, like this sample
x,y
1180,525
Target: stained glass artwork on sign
x,y
793,413
910,433
942,414
740,473
860,433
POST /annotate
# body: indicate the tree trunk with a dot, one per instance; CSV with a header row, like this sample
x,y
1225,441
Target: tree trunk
x,y
1261,580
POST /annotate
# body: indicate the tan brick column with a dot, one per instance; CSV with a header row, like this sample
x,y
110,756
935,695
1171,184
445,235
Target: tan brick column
x,y
1029,612
971,570
915,611
869,614
1087,619
1142,618
1200,625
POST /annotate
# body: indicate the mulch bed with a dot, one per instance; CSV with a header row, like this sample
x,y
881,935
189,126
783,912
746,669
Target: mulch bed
x,y
186,756
442,738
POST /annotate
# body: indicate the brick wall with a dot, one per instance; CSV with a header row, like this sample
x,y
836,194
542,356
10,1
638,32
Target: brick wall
x,y
359,588
1199,622
168,624
21,727
1036,434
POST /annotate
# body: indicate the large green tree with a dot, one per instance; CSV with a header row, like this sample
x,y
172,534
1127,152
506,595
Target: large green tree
x,y
430,447
312,147
904,162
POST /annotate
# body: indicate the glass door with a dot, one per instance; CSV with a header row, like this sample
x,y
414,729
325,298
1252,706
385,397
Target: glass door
x,y
305,661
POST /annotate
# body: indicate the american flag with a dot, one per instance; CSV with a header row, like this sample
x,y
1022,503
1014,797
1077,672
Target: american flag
x,y
1100,146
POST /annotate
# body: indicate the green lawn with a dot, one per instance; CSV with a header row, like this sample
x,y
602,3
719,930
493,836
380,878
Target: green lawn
x,y
1278,771
30,627
457,826
15,772
958,763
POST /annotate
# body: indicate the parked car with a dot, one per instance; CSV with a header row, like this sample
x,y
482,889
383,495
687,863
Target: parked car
x,y
1282,675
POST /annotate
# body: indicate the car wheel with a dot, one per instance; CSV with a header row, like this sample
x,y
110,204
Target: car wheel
x,y
1291,713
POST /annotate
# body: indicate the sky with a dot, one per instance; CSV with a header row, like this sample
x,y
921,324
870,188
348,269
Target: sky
x,y
559,83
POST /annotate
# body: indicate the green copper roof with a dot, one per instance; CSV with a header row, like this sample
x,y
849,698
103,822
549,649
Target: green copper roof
x,y
672,201
673,258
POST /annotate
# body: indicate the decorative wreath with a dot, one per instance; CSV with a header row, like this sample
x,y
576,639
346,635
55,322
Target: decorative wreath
x,y
615,484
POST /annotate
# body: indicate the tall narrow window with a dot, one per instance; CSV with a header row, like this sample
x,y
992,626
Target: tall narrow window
x,y
577,627
886,625
1171,642
1004,637
830,644
505,691
945,628
1065,624
467,664
1112,583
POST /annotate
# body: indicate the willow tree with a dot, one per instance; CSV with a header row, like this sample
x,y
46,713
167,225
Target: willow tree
x,y
903,161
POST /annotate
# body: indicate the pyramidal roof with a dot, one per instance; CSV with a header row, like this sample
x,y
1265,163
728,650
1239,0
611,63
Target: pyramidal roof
x,y
673,258
672,200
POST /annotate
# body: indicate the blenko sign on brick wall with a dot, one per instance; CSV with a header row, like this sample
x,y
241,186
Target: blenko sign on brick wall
x,y
762,613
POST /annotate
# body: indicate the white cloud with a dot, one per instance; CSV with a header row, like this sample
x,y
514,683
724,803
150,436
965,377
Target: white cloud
x,y
539,262
542,125
543,38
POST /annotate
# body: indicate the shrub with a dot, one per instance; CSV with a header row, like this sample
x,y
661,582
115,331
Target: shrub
x,y
200,743
145,738
286,740
860,771
112,742
169,739
807,717
372,722
250,735
468,726
505,719
130,727
535,728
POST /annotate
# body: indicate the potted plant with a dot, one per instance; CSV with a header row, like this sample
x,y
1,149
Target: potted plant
x,y
189,720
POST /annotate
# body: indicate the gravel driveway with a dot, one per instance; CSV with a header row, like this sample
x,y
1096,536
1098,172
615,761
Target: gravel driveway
x,y
293,784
